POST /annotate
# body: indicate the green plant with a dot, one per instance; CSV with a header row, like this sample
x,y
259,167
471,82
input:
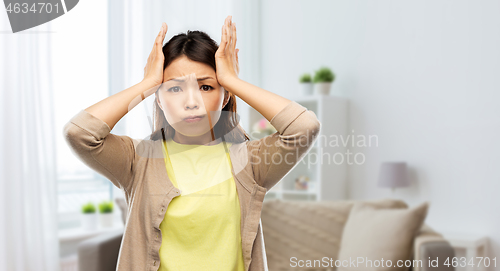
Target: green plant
x,y
305,78
324,74
106,207
88,208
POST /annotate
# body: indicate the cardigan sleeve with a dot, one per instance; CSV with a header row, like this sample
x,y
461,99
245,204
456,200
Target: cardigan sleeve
x,y
111,155
273,156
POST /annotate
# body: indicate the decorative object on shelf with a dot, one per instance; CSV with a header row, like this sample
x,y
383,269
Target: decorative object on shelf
x,y
89,217
263,127
306,86
106,213
301,182
393,175
323,79
311,186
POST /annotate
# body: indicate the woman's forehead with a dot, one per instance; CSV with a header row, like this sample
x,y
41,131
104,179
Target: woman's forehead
x,y
184,67
193,77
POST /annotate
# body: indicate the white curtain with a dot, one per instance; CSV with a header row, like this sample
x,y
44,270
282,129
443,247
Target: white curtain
x,y
28,188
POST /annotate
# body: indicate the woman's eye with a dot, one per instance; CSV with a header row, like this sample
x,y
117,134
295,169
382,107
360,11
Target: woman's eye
x,y
173,89
208,87
177,89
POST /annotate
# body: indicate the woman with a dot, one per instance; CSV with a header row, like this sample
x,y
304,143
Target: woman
x,y
195,189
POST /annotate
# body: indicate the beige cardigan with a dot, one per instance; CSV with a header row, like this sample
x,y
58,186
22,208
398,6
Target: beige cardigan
x,y
137,167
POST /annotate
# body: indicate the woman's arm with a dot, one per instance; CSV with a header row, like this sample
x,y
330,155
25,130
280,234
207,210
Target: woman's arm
x,y
116,106
110,155
113,108
266,102
88,132
89,136
273,156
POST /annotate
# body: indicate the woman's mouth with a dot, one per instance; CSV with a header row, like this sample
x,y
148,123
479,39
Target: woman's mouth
x,y
194,119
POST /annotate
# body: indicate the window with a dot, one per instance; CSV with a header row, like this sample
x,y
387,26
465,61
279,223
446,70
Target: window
x,y
80,67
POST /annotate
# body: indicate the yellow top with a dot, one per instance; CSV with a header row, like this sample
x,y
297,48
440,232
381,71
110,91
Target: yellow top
x,y
201,227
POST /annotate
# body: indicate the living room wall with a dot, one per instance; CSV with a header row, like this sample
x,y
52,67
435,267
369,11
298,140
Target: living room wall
x,y
422,77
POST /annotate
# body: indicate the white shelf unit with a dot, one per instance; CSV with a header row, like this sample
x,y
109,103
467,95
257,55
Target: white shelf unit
x,y
328,179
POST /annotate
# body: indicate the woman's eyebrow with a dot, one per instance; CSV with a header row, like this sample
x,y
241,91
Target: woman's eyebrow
x,y
198,79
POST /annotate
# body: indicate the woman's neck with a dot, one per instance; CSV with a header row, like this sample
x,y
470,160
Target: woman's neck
x,y
205,139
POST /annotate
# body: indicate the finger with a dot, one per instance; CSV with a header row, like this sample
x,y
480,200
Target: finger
x,y
223,41
234,36
159,47
153,50
230,27
237,62
155,47
228,33
158,54
230,37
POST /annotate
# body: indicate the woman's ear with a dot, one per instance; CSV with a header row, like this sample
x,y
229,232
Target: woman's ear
x,y
158,100
226,98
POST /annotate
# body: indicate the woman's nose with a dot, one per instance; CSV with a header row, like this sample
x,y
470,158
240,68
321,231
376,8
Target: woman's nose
x,y
193,97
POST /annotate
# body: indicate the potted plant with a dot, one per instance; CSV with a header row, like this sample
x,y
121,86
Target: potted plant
x,y
89,220
306,87
323,79
106,213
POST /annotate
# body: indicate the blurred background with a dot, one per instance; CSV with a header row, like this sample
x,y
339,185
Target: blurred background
x,y
410,114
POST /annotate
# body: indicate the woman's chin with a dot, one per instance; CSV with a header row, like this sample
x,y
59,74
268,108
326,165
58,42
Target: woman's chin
x,y
193,131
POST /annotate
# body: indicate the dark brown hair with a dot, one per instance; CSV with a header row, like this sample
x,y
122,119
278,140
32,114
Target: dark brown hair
x,y
198,46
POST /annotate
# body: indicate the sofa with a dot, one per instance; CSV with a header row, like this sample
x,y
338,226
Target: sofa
x,y
340,229
307,230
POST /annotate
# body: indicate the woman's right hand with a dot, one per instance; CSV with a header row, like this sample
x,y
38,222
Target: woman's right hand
x,y
153,72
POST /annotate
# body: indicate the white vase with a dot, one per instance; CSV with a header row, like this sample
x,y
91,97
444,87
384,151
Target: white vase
x,y
89,221
322,88
311,186
106,220
306,89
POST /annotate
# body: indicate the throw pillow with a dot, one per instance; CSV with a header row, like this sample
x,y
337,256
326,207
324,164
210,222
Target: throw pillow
x,y
379,239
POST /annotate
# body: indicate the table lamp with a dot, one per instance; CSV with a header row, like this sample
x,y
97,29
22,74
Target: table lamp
x,y
393,175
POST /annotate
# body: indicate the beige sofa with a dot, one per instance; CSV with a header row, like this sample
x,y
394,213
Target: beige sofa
x,y
313,230
305,230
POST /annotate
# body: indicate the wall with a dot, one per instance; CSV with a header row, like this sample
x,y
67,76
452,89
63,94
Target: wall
x,y
422,76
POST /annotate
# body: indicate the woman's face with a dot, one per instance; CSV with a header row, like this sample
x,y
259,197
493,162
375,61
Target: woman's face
x,y
191,89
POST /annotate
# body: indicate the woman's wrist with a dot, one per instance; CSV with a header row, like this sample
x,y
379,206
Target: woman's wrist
x,y
230,84
149,87
149,83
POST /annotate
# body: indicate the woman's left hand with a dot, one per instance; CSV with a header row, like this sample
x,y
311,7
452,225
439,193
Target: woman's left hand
x,y
226,57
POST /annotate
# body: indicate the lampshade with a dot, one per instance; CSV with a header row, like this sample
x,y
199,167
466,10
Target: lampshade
x,y
393,175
